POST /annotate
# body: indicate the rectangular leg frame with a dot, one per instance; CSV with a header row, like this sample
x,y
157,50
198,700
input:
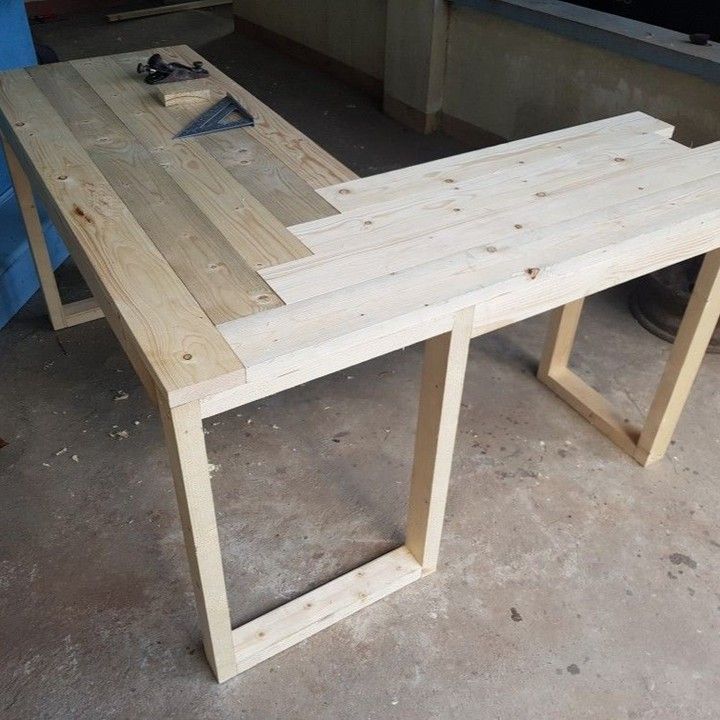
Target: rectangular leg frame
x,y
648,444
232,651
61,315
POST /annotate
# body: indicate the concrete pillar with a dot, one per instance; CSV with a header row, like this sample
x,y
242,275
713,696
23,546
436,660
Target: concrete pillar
x,y
415,47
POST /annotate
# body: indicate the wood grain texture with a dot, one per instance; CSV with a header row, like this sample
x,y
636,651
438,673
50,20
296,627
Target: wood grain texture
x,y
312,612
82,311
279,189
518,230
377,240
221,281
598,411
562,329
189,464
294,149
561,262
256,235
143,299
443,376
691,342
421,180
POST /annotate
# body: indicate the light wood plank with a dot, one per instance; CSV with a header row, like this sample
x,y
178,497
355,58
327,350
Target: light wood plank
x,y
248,158
276,186
593,407
562,263
82,311
341,359
504,183
165,9
425,179
294,149
176,95
299,619
560,338
36,238
357,247
144,301
691,342
443,375
223,284
257,236
189,464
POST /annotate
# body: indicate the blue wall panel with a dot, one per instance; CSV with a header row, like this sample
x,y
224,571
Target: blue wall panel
x,y
18,280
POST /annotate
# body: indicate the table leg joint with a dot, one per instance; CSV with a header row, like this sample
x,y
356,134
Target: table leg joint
x,y
648,444
316,610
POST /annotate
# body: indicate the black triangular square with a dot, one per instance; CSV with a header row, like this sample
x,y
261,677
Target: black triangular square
x,y
226,114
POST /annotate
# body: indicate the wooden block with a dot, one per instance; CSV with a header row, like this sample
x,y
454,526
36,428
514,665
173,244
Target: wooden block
x,y
182,93
300,618
165,9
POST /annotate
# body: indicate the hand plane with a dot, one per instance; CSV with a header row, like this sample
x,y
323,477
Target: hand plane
x,y
158,71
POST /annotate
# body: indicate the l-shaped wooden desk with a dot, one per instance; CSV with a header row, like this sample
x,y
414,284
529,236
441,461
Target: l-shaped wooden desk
x,y
235,265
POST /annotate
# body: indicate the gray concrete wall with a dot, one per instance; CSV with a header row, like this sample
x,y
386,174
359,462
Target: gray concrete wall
x,y
352,33
483,77
514,80
415,61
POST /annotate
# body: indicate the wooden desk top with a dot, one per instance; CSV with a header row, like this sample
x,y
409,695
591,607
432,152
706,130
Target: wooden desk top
x,y
242,262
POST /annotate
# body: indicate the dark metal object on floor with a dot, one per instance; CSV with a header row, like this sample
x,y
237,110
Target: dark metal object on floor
x,y
224,115
45,54
658,300
699,38
158,71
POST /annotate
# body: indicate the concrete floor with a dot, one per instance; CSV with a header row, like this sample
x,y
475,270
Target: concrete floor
x,y
573,583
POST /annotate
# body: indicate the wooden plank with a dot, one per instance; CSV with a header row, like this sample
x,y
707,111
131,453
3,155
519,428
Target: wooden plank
x,y
443,375
245,155
274,185
432,176
189,464
300,618
562,263
36,238
691,342
178,95
344,358
165,9
294,149
257,236
82,311
593,407
223,284
560,338
358,247
141,369
577,159
141,296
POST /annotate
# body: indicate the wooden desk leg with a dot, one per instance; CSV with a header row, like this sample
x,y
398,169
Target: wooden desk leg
x,y
691,342
443,375
188,459
649,444
560,338
61,316
233,651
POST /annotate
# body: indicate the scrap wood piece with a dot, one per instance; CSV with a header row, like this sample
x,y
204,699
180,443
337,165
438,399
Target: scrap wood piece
x,y
179,95
164,9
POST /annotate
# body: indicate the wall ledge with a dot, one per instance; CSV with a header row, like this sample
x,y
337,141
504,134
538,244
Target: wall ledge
x,y
639,40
